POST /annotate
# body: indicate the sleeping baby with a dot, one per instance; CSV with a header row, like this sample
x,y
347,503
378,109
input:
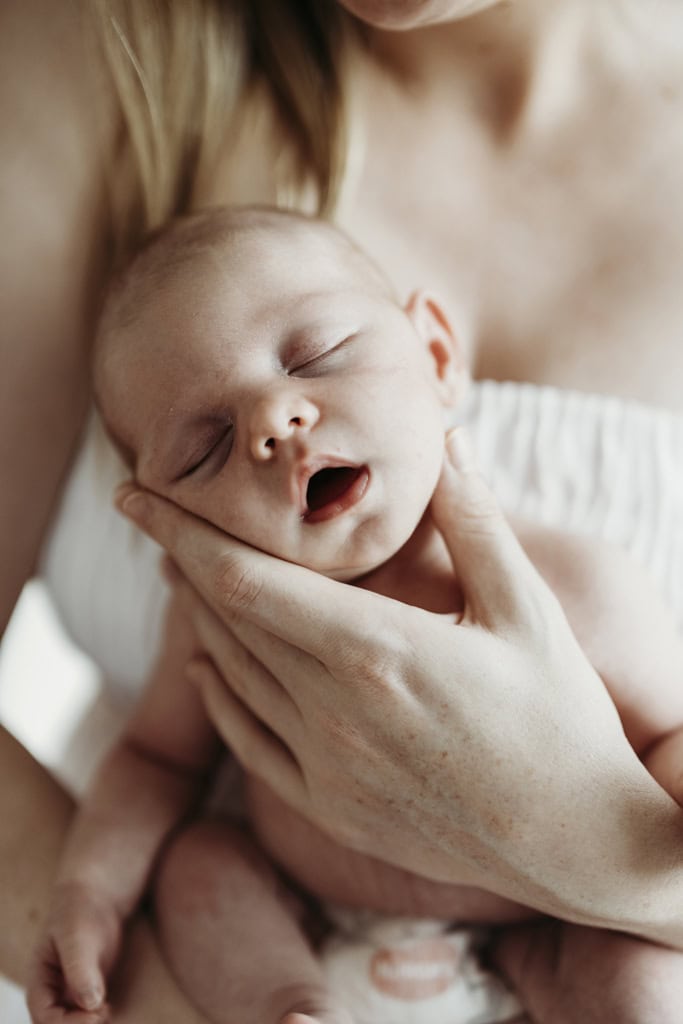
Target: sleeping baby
x,y
255,367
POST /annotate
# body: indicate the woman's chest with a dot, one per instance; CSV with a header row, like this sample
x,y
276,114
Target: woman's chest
x,y
560,263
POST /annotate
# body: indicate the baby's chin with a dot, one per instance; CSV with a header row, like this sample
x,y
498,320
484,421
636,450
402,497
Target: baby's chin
x,y
357,569
367,553
353,574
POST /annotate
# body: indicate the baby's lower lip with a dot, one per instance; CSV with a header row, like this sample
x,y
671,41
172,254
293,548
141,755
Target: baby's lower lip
x,y
354,490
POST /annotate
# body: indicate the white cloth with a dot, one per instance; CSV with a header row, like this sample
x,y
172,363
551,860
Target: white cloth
x,y
585,463
405,971
589,464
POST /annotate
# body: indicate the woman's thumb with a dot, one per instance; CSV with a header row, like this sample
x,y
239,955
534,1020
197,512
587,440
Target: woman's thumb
x,y
491,567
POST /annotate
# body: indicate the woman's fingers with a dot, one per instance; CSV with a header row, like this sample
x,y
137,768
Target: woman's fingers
x,y
307,610
496,576
256,748
248,672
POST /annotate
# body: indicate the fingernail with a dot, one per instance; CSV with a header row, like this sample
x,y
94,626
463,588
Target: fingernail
x,y
459,450
92,999
131,502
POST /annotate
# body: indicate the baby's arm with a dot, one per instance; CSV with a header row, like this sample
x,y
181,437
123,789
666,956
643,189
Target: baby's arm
x,y
630,637
143,789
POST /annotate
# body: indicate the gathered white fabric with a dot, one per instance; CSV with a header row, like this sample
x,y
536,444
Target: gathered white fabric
x,y
589,464
406,971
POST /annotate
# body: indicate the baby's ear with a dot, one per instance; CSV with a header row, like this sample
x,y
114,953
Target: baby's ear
x,y
451,375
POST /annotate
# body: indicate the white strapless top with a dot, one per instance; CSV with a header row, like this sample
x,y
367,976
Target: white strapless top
x,y
589,464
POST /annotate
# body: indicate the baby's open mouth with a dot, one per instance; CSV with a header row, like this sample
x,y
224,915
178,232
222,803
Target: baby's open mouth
x,y
333,490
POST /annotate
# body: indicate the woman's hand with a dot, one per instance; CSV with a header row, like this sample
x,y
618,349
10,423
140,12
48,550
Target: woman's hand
x,y
486,752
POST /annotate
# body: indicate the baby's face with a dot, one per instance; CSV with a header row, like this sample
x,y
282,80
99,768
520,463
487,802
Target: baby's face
x,y
277,392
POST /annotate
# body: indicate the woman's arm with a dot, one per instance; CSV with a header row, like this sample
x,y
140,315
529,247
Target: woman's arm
x,y
487,752
50,184
51,257
37,814
141,792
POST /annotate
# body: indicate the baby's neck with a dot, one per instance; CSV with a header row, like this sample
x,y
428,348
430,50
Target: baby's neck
x,y
420,573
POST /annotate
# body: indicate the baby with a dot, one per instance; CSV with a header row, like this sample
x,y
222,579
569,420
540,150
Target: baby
x,y
255,367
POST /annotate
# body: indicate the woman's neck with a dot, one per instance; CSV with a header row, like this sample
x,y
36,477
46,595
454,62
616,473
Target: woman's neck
x,y
520,65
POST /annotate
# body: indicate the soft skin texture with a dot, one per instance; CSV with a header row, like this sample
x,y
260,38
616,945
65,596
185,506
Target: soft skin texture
x,y
549,135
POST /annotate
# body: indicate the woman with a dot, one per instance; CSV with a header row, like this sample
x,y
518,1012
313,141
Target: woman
x,y
524,159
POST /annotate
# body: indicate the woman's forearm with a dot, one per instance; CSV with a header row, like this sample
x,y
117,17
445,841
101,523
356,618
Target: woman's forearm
x,y
629,875
36,813
653,907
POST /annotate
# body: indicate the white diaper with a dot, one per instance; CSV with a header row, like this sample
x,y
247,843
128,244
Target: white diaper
x,y
408,971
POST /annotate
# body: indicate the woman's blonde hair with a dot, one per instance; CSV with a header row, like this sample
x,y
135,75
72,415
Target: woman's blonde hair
x,y
184,72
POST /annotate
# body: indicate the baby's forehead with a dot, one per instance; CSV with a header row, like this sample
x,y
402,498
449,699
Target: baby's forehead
x,y
309,248
260,253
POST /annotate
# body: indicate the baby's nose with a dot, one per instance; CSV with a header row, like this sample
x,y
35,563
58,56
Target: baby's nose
x,y
277,418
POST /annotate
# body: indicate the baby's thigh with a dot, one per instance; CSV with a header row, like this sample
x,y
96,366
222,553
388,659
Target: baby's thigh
x,y
568,974
209,869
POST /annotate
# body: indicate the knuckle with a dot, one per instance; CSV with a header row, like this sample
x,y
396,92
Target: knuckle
x,y
237,584
379,655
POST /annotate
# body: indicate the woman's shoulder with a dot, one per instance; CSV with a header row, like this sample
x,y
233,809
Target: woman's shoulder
x,y
54,130
46,56
52,253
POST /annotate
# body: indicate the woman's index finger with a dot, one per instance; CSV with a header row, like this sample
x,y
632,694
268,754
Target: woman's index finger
x,y
298,605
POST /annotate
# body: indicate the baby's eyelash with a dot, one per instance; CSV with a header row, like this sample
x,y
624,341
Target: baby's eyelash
x,y
315,357
208,453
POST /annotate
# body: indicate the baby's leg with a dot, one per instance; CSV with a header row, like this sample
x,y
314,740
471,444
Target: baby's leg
x,y
232,941
568,974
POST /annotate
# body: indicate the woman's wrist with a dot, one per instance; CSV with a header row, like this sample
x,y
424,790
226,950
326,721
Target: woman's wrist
x,y
631,874
654,906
